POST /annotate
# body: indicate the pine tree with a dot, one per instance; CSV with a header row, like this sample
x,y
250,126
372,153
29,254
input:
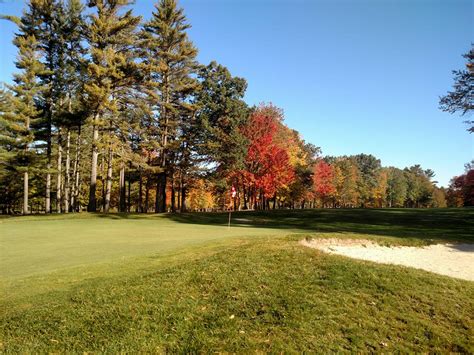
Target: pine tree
x,y
10,130
27,91
110,36
70,65
461,99
170,59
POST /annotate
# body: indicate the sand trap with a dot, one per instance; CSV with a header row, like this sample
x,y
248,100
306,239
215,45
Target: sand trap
x,y
455,260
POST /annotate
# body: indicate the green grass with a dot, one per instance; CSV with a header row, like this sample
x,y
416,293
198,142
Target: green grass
x,y
185,283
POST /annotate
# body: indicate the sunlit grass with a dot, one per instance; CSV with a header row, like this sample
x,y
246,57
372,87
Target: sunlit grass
x,y
180,283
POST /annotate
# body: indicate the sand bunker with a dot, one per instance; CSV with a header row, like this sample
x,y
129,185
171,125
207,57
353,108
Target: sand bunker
x,y
455,260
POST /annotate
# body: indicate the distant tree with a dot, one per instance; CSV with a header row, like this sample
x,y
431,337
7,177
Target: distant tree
x,y
461,190
323,179
380,190
397,187
267,166
469,166
454,194
461,99
439,198
368,166
419,186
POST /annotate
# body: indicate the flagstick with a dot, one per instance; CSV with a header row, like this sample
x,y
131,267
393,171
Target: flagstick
x,y
229,219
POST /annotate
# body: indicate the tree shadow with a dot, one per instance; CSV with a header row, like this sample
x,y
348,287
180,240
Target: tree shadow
x,y
440,224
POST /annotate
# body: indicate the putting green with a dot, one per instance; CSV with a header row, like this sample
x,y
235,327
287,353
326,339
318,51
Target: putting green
x,y
33,245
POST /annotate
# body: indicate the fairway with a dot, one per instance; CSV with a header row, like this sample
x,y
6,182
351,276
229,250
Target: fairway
x,y
189,283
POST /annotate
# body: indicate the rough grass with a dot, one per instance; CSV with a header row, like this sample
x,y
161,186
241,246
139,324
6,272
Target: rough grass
x,y
263,292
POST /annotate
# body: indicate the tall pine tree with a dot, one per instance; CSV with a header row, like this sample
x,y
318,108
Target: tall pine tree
x,y
171,59
110,36
27,91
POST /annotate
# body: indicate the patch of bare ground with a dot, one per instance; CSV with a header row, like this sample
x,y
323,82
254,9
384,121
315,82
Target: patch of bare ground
x,y
455,260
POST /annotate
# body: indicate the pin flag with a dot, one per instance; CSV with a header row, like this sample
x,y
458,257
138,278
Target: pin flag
x,y
233,192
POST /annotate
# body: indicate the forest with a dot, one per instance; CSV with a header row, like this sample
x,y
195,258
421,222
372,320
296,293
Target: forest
x,y
111,112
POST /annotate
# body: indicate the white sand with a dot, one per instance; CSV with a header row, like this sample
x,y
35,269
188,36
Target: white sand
x,y
455,260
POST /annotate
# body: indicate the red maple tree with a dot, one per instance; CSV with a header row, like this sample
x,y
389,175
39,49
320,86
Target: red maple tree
x,y
323,179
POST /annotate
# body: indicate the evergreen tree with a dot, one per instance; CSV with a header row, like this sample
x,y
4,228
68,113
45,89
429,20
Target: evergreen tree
x,y
73,72
10,130
110,36
170,59
461,99
222,112
27,91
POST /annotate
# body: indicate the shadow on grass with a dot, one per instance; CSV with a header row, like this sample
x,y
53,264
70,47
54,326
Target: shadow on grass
x,y
439,224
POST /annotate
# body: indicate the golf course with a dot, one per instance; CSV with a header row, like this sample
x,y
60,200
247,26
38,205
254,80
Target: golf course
x,y
189,283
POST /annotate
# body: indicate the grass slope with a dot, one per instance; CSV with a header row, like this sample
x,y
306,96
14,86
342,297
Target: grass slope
x,y
195,286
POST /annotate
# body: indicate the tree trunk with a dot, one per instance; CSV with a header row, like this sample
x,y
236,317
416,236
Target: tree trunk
x,y
160,202
59,176
103,174
180,184
109,182
25,192
92,206
183,199
173,197
245,196
75,184
67,184
122,191
129,196
147,194
140,192
25,175
48,164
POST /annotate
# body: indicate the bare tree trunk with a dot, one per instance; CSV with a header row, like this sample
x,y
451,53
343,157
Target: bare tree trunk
x,y
109,182
25,175
173,197
92,206
48,164
121,188
25,192
180,184
129,204
246,196
103,174
67,185
59,176
147,194
160,202
75,174
140,192
183,198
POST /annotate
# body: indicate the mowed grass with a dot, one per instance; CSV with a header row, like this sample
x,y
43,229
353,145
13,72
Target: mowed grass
x,y
186,283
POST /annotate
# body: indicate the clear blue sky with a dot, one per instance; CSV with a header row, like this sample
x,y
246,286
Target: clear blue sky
x,y
353,76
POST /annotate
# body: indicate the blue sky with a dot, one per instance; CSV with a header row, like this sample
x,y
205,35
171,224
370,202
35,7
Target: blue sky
x,y
360,76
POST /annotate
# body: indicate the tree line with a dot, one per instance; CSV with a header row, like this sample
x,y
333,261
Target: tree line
x,y
109,111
